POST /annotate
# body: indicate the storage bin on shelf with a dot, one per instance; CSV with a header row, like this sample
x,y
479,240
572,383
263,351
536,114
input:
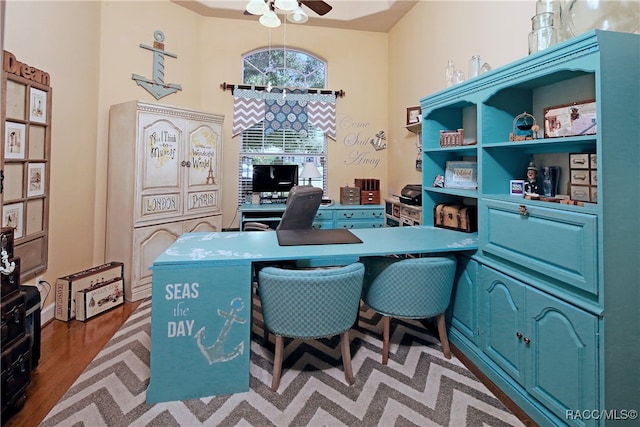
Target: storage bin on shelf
x,y
451,138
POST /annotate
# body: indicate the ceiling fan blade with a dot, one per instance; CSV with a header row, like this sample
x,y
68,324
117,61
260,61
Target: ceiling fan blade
x,y
318,6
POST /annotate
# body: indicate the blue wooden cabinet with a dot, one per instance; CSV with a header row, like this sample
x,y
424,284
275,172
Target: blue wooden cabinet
x,y
332,216
547,308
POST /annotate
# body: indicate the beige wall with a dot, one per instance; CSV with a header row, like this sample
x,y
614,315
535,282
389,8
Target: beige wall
x,y
91,48
420,46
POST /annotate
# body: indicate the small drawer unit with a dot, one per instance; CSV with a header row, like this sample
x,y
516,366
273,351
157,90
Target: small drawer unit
x,y
583,179
350,195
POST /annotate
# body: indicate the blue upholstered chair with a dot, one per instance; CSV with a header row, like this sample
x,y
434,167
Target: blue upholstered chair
x,y
412,288
310,304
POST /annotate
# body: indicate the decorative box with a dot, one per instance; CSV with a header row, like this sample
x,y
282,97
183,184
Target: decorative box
x,y
456,217
67,286
99,298
451,138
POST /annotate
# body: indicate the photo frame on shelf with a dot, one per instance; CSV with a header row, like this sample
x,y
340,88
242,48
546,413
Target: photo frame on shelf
x,y
413,115
14,140
36,176
578,118
516,187
37,105
461,175
12,216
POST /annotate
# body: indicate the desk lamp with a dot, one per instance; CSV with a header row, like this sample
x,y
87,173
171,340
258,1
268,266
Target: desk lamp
x,y
309,170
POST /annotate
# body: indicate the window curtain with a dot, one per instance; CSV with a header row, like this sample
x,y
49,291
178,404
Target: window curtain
x,y
284,110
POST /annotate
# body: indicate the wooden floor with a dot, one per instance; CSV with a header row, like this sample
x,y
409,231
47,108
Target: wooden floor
x,y
66,349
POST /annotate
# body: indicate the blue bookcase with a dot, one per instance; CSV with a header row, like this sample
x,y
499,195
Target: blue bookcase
x,y
547,308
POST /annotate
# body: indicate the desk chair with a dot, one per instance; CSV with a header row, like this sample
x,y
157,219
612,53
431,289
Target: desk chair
x,y
310,304
303,202
412,288
301,208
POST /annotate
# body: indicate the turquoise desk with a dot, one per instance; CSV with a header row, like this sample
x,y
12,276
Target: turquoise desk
x,y
201,300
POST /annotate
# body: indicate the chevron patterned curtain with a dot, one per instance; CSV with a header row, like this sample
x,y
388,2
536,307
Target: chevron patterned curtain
x,y
290,111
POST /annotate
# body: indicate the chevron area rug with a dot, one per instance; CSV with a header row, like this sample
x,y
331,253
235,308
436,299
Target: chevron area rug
x,y
419,387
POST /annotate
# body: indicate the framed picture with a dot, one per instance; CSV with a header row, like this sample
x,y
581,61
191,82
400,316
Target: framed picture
x,y
414,114
517,187
14,140
38,105
463,175
12,216
35,173
579,118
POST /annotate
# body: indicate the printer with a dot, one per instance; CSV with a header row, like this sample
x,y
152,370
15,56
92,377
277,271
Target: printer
x,y
411,194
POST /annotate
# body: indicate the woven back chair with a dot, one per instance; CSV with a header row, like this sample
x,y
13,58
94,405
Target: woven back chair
x,y
310,304
412,288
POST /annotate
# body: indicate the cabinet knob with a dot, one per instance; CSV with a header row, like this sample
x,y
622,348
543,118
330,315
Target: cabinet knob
x,y
519,335
527,340
522,210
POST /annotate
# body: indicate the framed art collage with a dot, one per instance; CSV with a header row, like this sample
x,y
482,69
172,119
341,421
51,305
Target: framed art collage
x,y
25,161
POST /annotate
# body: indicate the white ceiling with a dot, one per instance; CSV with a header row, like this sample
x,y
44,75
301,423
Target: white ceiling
x,y
365,15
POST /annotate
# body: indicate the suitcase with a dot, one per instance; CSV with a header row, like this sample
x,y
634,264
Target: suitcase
x,y
13,318
67,286
455,217
16,373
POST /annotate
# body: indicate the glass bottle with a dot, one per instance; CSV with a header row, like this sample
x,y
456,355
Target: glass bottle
x,y
474,66
449,73
543,33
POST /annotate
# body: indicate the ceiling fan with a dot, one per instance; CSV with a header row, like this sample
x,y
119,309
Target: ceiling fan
x,y
291,7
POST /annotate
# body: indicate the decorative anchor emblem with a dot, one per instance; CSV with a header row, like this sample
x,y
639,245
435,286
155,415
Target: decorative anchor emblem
x,y
378,144
157,87
215,353
7,267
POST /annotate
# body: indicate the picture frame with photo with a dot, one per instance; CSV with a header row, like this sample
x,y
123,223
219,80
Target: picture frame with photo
x,y
516,187
37,105
414,114
36,178
13,216
14,140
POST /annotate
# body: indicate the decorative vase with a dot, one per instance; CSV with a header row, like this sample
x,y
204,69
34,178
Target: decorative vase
x,y
550,179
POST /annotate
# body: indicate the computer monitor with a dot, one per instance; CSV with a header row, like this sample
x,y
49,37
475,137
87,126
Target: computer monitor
x,y
274,178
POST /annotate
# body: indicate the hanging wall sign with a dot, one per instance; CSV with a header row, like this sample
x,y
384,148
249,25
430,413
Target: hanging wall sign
x,y
156,86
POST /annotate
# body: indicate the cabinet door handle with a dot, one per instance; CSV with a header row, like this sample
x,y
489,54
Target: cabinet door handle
x,y
347,215
527,340
519,335
186,163
522,210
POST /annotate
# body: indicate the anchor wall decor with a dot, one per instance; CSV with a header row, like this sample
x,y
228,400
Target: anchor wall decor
x,y
215,353
157,87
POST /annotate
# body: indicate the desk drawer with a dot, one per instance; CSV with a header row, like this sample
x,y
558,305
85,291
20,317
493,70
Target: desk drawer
x,y
357,214
325,225
378,223
556,243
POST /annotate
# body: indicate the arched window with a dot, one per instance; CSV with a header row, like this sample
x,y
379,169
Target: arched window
x,y
288,69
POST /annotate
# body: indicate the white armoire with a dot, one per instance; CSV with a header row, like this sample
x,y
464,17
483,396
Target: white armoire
x,y
164,180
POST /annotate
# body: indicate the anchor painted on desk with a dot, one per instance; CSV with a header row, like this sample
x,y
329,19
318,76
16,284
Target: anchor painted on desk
x,y
157,87
215,353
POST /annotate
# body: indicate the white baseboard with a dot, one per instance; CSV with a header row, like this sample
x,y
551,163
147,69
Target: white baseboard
x,y
47,314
